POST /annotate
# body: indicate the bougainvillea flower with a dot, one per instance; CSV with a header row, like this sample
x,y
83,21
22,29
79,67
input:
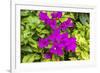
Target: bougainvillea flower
x,y
43,16
63,26
64,35
52,23
72,47
56,49
64,38
68,23
71,44
43,42
48,55
57,45
56,15
58,39
55,35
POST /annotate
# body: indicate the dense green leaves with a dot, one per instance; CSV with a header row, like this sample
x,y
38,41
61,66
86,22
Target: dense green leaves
x,y
83,18
24,12
81,32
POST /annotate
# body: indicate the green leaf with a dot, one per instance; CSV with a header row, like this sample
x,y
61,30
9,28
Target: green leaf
x,y
75,32
83,18
33,26
55,57
79,25
88,34
36,20
31,20
26,33
45,31
38,30
85,55
28,58
33,43
36,50
49,14
41,26
82,33
37,57
72,15
24,41
26,49
78,49
46,60
41,35
49,46
24,12
64,18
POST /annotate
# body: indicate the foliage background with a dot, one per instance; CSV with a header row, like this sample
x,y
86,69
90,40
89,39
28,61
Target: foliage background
x,y
32,28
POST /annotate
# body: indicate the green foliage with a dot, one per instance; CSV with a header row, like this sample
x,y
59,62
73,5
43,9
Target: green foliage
x,y
32,29
31,58
84,18
81,32
28,58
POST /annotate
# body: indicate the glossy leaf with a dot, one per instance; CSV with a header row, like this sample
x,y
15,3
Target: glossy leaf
x,y
28,58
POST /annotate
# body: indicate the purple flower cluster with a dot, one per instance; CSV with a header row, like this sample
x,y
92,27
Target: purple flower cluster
x,y
59,40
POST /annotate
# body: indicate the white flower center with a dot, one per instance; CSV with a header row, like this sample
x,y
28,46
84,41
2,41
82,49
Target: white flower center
x,y
54,48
